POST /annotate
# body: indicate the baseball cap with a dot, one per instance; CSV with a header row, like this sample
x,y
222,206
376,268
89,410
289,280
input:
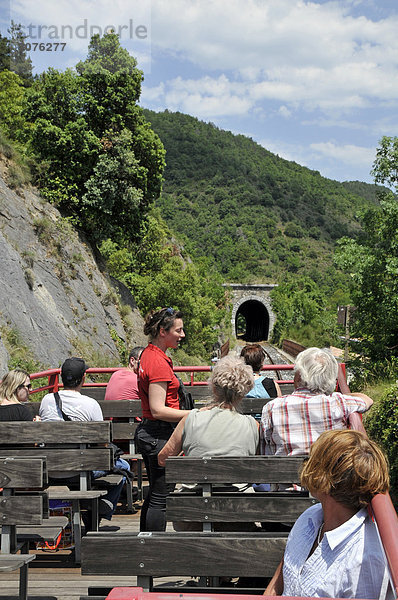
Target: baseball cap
x,y
73,369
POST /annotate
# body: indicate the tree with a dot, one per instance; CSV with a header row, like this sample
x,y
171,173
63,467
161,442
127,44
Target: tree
x,y
103,162
372,262
20,63
11,103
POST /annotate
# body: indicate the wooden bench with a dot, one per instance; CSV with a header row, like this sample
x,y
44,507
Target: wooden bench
x,y
23,515
206,553
120,431
211,503
71,447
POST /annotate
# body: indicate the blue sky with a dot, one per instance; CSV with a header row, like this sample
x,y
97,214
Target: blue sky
x,y
315,82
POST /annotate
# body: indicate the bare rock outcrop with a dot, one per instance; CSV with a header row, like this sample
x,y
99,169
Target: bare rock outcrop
x,y
54,295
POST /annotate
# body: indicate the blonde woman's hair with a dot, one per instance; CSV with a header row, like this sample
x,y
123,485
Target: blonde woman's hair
x,y
230,380
10,384
348,466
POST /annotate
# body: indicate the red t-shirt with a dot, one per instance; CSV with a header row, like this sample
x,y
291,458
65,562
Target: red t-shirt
x,y
122,385
156,366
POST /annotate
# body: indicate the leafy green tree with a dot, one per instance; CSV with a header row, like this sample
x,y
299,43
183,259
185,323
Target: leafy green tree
x,y
11,103
103,162
372,263
385,167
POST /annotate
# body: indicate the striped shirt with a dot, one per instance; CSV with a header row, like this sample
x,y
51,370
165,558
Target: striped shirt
x,y
291,424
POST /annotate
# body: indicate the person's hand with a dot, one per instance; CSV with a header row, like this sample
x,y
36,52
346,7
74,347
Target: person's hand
x,y
37,418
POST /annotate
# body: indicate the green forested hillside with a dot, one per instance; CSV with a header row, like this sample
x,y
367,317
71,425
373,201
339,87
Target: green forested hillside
x,y
253,213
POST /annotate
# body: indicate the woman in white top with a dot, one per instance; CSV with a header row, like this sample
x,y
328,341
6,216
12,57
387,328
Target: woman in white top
x,y
219,429
333,549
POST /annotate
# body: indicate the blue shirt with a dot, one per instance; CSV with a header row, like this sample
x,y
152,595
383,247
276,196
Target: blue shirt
x,y
258,391
348,563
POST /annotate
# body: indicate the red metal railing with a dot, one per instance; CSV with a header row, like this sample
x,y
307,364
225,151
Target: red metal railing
x,y
54,384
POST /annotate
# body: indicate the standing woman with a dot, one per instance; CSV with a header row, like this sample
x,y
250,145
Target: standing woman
x,y
158,391
14,390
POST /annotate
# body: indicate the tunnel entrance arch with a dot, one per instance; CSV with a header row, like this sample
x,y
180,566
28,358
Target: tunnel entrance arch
x,y
252,321
252,316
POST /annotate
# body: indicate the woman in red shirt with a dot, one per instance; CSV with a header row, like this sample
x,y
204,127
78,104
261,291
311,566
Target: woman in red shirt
x,y
158,391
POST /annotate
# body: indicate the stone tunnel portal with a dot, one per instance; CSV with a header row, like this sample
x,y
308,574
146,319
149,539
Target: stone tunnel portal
x,y
252,321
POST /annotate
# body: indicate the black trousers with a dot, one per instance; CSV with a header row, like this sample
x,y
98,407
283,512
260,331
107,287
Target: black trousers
x,y
150,438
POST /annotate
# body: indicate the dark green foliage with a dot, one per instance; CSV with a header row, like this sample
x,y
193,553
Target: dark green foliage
x,y
101,161
382,426
235,202
158,275
372,262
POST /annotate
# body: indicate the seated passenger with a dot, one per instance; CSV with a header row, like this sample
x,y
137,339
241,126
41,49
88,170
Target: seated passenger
x,y
123,384
292,423
218,430
14,390
71,405
333,550
264,387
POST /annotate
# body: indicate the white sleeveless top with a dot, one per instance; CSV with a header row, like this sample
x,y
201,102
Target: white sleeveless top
x,y
219,432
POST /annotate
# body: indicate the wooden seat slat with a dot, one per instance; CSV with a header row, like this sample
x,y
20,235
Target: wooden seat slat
x,y
123,431
267,469
18,510
185,554
71,432
11,562
69,459
20,473
121,408
230,509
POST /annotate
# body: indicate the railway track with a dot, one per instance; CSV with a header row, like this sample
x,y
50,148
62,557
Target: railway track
x,y
276,358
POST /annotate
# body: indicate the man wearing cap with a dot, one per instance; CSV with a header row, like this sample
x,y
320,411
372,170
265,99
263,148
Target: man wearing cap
x,y
75,406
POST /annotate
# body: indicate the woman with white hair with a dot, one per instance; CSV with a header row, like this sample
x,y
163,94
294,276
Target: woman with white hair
x,y
218,430
14,390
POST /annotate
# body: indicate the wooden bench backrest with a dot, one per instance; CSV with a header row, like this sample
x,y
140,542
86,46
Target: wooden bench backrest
x,y
184,554
19,473
224,505
66,445
267,469
16,433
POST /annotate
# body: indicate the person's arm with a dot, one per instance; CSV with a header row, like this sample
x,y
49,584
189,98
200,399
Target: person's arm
x,y
174,445
157,404
275,586
278,390
368,401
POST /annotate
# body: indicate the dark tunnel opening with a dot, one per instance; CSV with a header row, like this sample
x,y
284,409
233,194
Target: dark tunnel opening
x,y
252,322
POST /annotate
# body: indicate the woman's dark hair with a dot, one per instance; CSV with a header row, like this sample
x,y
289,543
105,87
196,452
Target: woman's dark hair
x,y
253,355
157,319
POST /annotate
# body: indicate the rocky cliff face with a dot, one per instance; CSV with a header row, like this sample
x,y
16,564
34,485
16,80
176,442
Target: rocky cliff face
x,y
56,300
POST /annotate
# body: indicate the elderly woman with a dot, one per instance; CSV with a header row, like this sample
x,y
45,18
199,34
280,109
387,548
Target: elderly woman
x,y
14,390
333,549
264,387
158,391
218,430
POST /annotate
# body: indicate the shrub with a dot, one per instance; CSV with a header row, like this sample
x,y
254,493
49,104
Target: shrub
x,y
382,427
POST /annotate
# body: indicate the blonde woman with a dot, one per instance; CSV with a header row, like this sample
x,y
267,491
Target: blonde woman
x,y
220,430
14,390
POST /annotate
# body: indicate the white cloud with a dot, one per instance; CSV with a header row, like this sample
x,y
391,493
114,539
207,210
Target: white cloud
x,y
292,51
357,156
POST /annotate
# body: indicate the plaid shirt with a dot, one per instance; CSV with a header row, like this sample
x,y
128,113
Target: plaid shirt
x,y
290,424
